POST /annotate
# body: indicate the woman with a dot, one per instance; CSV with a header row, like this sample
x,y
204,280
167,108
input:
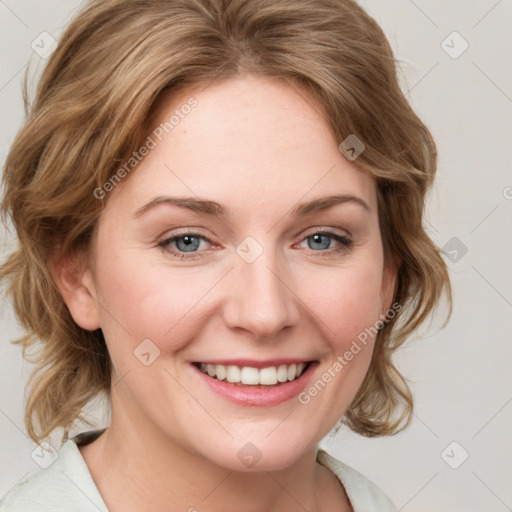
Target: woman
x,y
219,211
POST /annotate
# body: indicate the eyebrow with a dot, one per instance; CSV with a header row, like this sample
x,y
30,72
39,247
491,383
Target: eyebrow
x,y
214,209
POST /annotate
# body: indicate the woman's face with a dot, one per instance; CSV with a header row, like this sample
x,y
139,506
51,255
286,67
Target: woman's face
x,y
274,283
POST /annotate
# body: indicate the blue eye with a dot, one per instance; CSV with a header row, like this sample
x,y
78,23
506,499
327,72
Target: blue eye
x,y
187,242
190,243
186,245
322,240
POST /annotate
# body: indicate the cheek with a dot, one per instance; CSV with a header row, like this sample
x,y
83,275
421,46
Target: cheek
x,y
142,301
345,300
346,306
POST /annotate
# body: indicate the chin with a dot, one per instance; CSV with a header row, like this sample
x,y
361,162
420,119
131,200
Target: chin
x,y
260,456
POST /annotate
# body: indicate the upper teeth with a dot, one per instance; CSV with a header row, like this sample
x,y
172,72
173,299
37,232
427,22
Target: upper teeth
x,y
268,376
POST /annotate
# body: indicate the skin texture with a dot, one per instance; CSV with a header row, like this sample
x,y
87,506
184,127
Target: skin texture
x,y
260,147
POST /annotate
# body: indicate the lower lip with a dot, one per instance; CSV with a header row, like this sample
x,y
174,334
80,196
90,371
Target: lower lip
x,y
258,396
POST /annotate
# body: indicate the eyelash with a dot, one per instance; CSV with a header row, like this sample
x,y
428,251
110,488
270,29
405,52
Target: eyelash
x,y
345,242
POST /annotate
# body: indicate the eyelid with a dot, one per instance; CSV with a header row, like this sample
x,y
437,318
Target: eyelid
x,y
327,230
174,233
184,232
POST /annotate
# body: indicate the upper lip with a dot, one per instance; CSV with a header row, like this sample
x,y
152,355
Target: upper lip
x,y
253,363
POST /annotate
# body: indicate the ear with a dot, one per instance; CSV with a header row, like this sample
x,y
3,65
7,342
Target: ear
x,y
389,282
76,285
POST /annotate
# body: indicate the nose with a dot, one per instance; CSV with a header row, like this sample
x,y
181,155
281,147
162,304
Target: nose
x,y
261,298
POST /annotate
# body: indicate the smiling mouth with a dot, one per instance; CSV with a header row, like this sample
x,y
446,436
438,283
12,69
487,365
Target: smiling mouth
x,y
250,376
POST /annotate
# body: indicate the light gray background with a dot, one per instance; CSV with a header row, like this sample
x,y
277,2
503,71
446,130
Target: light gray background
x,y
461,375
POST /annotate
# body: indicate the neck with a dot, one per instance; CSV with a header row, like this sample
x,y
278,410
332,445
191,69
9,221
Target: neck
x,y
137,467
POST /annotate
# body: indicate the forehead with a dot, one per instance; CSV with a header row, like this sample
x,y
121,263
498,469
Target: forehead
x,y
247,138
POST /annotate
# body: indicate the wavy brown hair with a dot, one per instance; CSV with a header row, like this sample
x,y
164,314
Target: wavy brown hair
x,y
97,93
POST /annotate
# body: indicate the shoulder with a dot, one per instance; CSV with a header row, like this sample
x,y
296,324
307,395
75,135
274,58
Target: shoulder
x,y
363,494
64,484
